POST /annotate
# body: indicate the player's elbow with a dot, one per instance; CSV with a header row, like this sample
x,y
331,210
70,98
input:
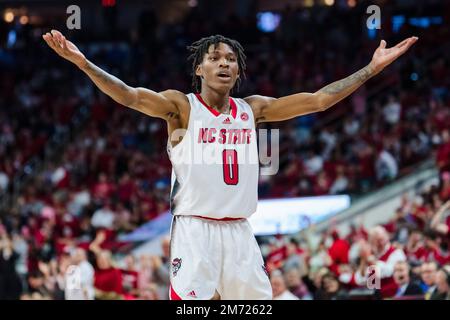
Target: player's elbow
x,y
130,98
322,102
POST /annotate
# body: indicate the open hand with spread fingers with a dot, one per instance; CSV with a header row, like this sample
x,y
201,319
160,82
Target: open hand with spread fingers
x,y
64,47
384,56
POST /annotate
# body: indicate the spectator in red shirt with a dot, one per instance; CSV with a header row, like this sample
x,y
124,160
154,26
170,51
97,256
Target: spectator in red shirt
x,y
102,189
384,256
338,252
445,190
126,189
107,278
130,276
443,152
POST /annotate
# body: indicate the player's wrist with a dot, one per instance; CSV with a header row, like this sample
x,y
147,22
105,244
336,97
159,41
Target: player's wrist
x,y
82,64
373,68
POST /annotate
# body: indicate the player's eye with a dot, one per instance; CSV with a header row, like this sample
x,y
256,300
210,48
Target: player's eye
x,y
212,58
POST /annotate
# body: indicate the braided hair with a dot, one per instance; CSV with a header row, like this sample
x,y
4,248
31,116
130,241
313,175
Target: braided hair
x,y
199,48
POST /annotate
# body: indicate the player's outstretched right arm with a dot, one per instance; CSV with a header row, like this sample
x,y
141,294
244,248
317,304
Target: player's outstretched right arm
x,y
152,103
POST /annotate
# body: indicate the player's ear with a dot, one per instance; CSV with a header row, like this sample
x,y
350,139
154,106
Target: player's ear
x,y
198,71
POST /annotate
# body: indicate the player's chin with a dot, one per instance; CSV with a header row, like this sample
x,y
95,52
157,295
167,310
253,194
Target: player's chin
x,y
224,87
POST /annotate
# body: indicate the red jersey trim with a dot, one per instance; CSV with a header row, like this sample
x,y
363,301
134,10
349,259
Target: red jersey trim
x,y
222,219
214,111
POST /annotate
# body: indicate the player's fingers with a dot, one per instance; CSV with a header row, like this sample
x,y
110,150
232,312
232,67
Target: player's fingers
x,y
56,35
58,40
401,44
64,43
408,44
45,37
55,45
53,42
49,40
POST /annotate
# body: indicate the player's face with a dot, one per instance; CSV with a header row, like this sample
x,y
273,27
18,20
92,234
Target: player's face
x,y
219,69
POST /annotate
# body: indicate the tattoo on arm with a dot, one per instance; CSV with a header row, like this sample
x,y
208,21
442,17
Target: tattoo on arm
x,y
358,78
101,78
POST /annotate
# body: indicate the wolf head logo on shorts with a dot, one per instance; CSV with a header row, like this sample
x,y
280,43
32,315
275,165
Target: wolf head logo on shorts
x,y
176,265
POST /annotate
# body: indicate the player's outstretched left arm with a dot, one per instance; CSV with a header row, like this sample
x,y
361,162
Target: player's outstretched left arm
x,y
268,109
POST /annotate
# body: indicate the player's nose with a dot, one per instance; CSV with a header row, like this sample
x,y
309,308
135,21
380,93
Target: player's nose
x,y
224,63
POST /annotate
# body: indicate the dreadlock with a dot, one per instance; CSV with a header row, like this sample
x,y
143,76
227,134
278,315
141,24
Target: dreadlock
x,y
199,48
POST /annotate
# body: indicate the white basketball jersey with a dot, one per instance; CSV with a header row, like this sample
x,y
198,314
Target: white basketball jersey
x,y
215,167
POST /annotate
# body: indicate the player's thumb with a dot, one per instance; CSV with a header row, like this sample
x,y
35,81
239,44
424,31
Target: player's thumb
x,y
382,44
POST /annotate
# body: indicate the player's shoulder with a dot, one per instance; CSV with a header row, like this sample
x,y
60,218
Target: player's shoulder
x,y
175,95
178,98
257,100
258,103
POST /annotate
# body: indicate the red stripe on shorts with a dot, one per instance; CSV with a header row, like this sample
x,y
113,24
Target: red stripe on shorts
x,y
174,295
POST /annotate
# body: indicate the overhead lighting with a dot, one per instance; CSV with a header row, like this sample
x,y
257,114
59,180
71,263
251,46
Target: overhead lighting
x,y
329,2
8,16
23,20
308,3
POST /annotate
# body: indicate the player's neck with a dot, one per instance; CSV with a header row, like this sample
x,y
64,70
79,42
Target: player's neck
x,y
216,100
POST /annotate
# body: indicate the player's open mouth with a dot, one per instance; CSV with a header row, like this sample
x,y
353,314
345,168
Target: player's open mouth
x,y
224,75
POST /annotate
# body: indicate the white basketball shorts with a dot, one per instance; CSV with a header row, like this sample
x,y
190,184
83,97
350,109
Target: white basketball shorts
x,y
209,255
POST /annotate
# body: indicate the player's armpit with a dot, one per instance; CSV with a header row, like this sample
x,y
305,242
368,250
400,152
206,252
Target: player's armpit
x,y
266,109
165,105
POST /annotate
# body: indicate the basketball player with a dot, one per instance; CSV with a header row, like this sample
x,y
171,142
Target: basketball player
x,y
214,254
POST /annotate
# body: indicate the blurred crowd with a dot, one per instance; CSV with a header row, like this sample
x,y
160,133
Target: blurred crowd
x,y
408,257
113,176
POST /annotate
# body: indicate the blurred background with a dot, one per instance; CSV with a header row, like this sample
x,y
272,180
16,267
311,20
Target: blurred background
x,y
85,182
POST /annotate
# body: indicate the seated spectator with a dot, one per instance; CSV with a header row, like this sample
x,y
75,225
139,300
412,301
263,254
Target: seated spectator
x,y
383,255
442,285
149,293
392,111
402,278
331,288
320,258
161,269
130,276
313,282
145,274
279,289
340,183
10,284
386,166
86,274
294,256
295,285
428,272
103,217
36,287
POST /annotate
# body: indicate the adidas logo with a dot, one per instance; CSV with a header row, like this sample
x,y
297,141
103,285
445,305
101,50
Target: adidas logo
x,y
192,294
227,121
